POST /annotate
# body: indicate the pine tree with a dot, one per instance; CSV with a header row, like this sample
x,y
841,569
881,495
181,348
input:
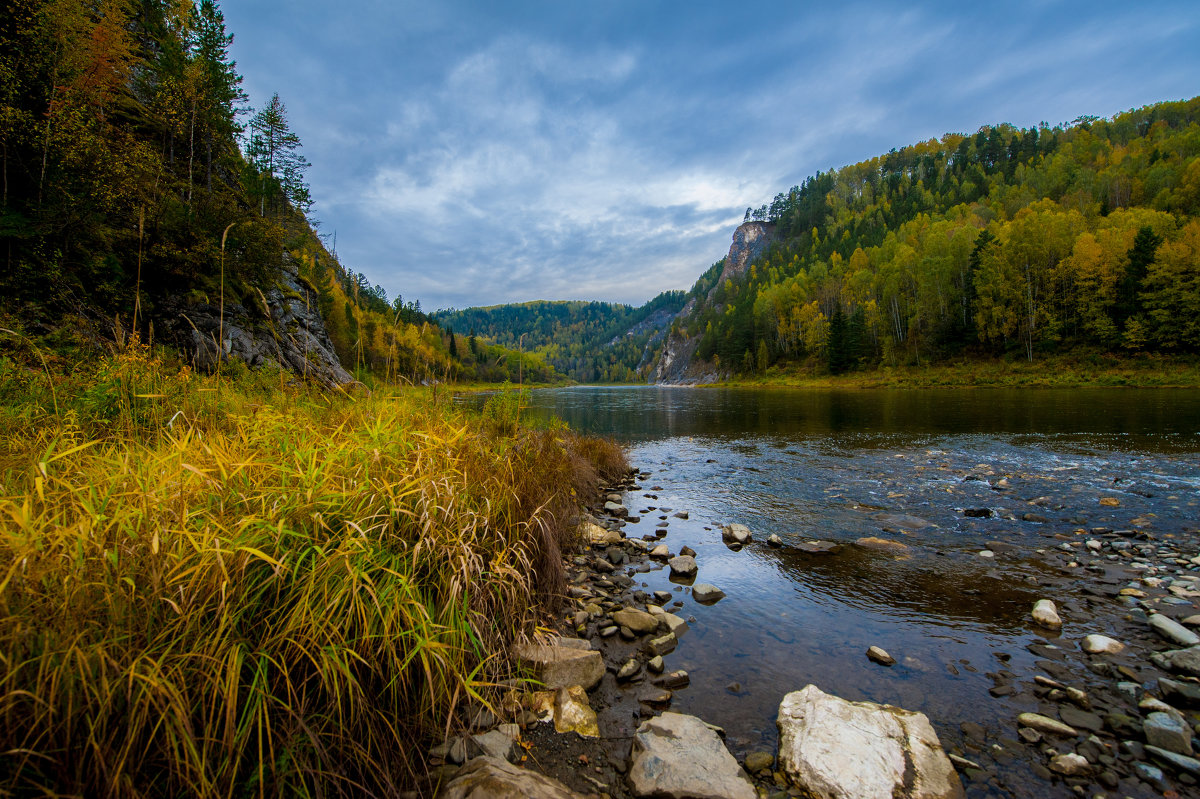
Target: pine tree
x,y
274,152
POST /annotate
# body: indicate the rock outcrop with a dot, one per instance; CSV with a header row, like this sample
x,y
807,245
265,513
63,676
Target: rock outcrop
x,y
831,748
750,240
676,362
284,328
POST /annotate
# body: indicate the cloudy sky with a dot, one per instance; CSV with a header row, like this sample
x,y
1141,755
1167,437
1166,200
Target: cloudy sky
x,y
487,152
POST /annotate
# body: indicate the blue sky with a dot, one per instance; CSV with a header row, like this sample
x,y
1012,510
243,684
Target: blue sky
x,y
489,152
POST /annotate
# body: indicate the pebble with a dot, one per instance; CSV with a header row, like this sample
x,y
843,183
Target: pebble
x,y
1070,765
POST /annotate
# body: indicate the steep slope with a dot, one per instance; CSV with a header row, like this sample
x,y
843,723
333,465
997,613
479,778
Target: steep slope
x,y
1007,242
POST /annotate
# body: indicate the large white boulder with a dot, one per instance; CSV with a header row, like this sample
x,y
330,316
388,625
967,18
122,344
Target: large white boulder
x,y
832,748
680,757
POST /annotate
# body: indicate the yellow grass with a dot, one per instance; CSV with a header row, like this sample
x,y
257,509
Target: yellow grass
x,y
259,590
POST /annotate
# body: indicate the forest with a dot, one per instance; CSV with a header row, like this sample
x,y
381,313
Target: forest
x,y
134,176
1008,242
592,342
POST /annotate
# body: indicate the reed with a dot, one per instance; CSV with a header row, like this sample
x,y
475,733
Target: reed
x,y
263,592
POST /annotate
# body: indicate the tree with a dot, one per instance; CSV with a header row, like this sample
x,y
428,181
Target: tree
x,y
1140,257
274,153
839,344
453,344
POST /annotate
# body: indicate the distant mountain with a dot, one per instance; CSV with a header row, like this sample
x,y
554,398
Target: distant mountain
x,y
593,342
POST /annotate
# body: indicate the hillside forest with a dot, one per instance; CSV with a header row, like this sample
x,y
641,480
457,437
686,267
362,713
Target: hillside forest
x,y
134,176
1007,242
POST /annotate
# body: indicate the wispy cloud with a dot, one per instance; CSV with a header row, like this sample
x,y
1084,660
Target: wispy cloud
x,y
477,153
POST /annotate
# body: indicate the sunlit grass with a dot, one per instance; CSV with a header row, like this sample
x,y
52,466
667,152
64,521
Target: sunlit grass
x,y
259,590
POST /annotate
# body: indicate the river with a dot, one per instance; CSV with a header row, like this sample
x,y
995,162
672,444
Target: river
x,y
903,465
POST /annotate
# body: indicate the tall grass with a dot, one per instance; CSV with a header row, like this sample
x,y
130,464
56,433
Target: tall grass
x,y
260,590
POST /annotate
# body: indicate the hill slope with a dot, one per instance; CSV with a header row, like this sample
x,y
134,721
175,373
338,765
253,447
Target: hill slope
x,y
1008,241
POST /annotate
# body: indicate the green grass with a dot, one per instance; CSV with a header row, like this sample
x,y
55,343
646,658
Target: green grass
x,y
1080,370
245,588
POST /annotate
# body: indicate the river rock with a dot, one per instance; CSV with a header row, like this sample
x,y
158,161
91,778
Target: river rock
x,y
663,645
707,593
832,748
1101,645
882,544
774,540
493,778
498,742
1180,693
561,665
1046,615
660,552
1174,760
880,656
1182,660
1047,725
616,508
674,624
736,534
639,621
573,712
627,671
818,547
680,757
599,536
683,566
1070,765
1173,631
1168,732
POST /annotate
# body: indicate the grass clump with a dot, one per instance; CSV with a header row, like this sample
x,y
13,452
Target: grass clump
x,y
255,589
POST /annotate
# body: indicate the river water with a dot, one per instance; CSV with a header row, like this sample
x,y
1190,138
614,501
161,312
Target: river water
x,y
902,465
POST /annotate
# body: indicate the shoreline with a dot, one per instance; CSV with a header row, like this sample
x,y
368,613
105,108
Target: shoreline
x,y
1114,582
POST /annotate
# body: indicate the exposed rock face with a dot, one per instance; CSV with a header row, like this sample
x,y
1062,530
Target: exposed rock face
x,y
676,364
680,757
289,332
750,240
831,748
492,778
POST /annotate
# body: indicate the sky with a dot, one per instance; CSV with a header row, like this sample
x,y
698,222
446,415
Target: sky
x,y
481,153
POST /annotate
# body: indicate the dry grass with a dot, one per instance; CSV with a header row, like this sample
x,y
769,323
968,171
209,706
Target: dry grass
x,y
280,593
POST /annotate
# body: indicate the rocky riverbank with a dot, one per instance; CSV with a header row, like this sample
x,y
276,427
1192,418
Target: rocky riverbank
x,y
1102,703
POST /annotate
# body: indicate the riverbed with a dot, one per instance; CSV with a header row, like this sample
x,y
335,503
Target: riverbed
x,y
980,486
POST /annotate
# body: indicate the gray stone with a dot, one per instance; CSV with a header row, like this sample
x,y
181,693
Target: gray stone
x,y
616,508
1168,732
631,668
680,757
560,666
1080,719
1180,693
655,664
673,624
1173,631
818,547
493,778
736,534
1183,660
683,566
598,536
496,743
707,593
1150,774
774,540
835,749
639,621
1174,760
661,552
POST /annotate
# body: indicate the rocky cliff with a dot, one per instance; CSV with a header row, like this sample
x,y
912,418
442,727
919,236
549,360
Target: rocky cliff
x,y
676,363
284,328
750,241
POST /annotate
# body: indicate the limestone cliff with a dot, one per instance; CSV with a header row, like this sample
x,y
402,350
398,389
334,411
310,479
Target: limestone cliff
x,y
284,328
676,362
750,241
